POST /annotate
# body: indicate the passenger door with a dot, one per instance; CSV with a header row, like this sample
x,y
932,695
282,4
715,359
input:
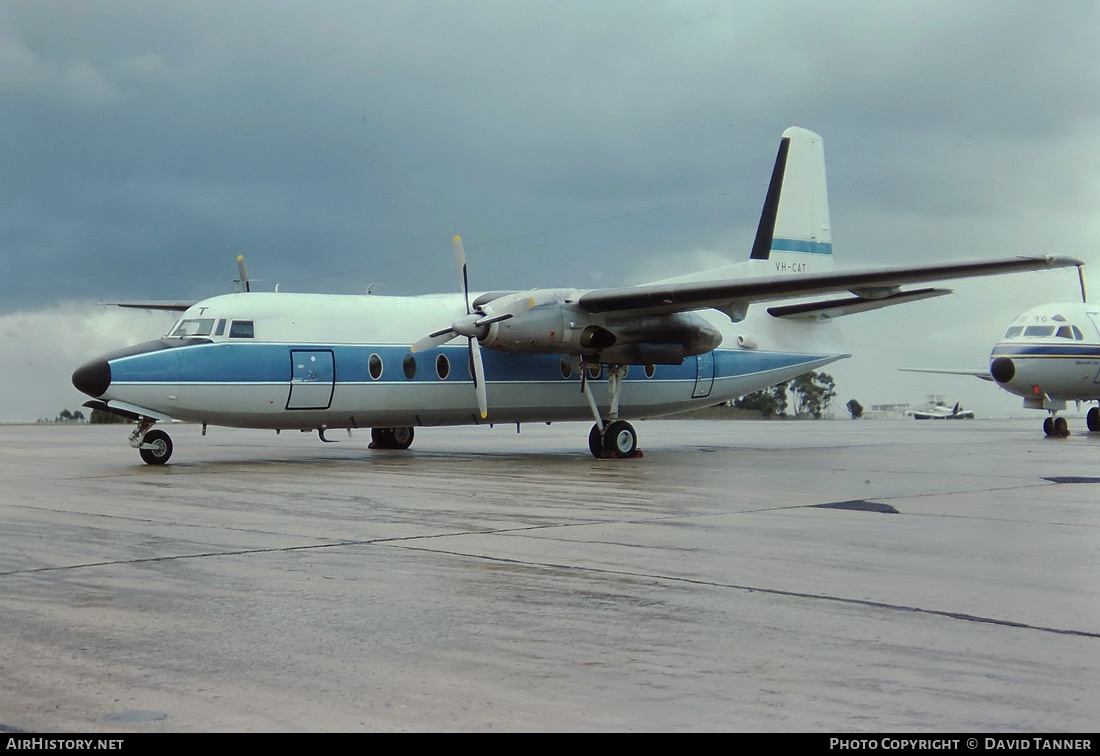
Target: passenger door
x,y
704,375
312,378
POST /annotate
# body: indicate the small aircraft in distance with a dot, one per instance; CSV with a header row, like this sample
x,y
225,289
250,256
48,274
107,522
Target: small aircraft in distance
x,y
315,362
942,412
1050,355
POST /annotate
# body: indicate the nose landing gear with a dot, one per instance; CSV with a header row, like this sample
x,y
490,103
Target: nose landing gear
x,y
1056,426
153,444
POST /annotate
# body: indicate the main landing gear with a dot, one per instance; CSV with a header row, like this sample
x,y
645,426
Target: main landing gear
x,y
1093,419
391,438
615,438
153,444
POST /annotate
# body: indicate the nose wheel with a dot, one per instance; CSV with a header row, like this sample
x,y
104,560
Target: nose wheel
x,y
1056,426
156,447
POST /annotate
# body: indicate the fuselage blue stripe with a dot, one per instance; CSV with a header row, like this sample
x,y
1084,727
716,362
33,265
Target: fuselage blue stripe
x,y
260,362
1084,351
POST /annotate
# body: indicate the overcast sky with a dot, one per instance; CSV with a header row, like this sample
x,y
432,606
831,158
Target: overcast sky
x,y
339,144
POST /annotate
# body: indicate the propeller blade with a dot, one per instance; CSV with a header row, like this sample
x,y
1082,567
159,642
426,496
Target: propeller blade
x,y
479,379
460,261
490,319
243,280
433,340
1081,278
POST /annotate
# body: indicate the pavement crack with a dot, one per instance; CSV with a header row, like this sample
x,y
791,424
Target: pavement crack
x,y
881,605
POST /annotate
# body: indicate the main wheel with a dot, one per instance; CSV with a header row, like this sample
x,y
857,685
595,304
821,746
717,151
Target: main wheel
x,y
402,437
1048,426
595,442
1093,419
381,438
156,447
620,439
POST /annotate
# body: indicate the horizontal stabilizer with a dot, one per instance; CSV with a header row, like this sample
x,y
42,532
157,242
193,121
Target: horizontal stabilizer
x,y
835,308
982,373
167,306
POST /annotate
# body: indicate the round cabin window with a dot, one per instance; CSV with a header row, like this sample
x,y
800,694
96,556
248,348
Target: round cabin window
x,y
566,367
374,367
442,367
409,366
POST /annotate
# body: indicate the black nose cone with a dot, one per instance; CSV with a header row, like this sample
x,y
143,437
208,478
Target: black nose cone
x,y
1002,370
93,377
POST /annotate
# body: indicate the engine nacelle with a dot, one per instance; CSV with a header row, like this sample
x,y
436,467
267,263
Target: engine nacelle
x,y
540,329
564,327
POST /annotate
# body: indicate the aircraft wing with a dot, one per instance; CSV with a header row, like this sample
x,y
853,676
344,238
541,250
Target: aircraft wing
x,y
982,373
835,308
734,296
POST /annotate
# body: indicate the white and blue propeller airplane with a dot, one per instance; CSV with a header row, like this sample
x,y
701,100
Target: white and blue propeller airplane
x,y
315,362
1050,356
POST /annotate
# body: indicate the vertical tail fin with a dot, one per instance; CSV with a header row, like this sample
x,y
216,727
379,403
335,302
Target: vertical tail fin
x,y
794,231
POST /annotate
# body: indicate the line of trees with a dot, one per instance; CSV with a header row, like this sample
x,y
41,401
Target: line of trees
x,y
97,417
808,395
66,417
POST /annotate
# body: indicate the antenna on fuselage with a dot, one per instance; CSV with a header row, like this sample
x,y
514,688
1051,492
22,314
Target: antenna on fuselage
x,y
243,280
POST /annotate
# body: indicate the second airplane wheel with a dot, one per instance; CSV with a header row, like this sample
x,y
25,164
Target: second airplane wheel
x,y
1093,419
1061,427
620,439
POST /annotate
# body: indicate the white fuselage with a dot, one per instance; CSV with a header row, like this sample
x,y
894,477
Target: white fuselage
x,y
1050,355
283,361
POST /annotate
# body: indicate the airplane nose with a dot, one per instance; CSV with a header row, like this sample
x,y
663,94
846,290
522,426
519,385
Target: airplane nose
x,y
1002,369
93,378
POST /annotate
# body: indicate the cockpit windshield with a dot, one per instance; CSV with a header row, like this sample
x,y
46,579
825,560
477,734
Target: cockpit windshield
x,y
1046,331
193,327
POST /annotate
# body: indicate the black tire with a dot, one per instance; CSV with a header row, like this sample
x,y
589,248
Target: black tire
x,y
1061,427
1093,419
381,438
162,447
1048,426
595,442
402,437
620,440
